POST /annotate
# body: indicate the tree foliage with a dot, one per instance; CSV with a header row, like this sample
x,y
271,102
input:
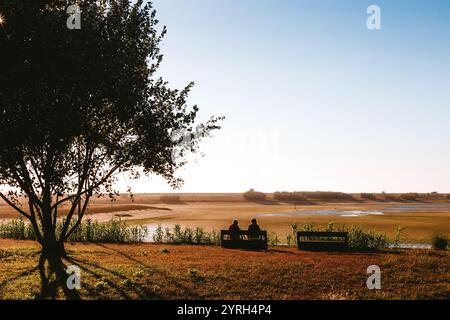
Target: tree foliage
x,y
79,106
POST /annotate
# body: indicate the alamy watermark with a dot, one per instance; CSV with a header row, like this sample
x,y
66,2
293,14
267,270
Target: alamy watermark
x,y
258,143
374,19
74,279
374,280
74,20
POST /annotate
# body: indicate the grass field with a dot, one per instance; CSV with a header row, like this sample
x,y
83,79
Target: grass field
x,y
149,271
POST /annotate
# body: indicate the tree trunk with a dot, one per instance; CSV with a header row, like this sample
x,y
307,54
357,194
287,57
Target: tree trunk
x,y
53,249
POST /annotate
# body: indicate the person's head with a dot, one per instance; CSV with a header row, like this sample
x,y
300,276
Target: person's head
x,y
235,222
253,221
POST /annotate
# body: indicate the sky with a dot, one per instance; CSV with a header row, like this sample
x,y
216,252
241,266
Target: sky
x,y
313,99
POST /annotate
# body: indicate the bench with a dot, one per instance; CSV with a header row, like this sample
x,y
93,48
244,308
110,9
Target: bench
x,y
322,241
244,242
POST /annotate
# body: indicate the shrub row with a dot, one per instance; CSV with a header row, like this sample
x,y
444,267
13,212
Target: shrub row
x,y
113,231
289,196
178,235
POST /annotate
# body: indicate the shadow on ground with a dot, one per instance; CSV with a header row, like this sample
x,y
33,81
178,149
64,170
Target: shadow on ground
x,y
98,279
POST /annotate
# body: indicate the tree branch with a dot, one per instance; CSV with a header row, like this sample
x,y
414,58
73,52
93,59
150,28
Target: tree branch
x,y
91,188
80,217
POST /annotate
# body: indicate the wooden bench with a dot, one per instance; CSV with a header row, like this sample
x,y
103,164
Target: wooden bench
x,y
322,241
244,242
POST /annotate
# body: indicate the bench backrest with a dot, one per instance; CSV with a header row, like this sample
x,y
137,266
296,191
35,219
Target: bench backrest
x,y
224,233
322,240
327,234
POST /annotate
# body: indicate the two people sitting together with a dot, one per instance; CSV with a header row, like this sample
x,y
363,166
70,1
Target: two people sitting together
x,y
253,231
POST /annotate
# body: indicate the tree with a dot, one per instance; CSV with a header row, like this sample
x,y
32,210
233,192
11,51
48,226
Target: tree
x,y
252,195
79,106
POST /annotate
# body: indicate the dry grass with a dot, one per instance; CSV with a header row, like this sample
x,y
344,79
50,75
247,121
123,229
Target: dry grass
x,y
148,271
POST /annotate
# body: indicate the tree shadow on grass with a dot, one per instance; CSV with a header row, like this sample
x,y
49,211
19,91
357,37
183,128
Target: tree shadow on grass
x,y
19,276
148,268
95,270
52,278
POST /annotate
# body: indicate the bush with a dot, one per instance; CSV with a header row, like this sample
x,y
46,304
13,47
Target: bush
x,y
289,240
315,195
440,242
309,227
113,231
188,236
368,196
360,239
178,235
17,229
328,196
398,236
199,235
391,197
253,195
294,229
409,196
194,273
289,196
158,236
273,239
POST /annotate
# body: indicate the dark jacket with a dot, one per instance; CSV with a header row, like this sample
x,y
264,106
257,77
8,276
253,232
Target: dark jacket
x,y
254,230
234,232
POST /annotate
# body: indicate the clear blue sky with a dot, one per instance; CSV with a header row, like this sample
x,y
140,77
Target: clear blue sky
x,y
313,99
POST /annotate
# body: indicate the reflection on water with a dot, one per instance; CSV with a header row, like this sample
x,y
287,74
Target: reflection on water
x,y
435,207
342,213
411,246
416,207
151,228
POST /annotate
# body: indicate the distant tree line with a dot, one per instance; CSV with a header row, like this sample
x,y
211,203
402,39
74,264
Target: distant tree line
x,y
410,196
328,195
253,195
299,196
312,195
289,196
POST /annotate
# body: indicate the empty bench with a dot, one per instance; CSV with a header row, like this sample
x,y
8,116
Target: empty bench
x,y
244,242
322,241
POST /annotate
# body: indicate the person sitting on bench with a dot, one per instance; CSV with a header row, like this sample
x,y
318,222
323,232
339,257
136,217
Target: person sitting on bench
x,y
254,230
234,231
